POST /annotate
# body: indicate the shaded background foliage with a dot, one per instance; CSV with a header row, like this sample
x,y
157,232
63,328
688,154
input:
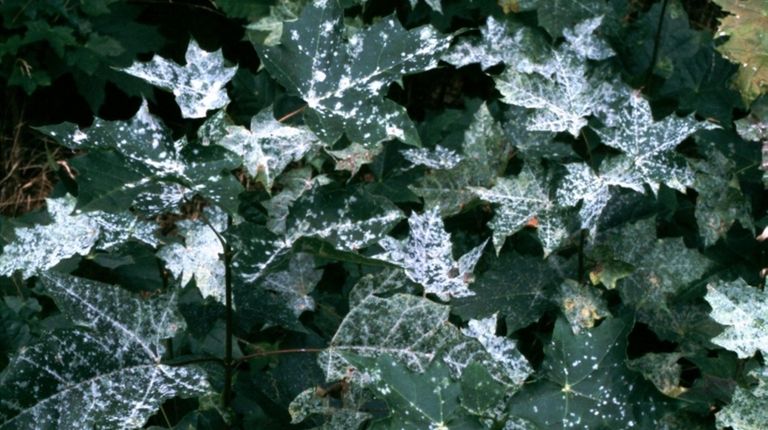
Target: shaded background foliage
x,y
58,63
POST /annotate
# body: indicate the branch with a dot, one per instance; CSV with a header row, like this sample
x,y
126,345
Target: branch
x,y
291,114
276,352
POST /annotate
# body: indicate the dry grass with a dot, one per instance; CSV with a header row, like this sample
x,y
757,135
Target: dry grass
x,y
28,163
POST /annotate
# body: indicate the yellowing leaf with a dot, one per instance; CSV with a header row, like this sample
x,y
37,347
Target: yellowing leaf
x,y
747,44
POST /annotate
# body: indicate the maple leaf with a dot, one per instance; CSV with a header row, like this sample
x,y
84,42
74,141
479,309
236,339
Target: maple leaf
x,y
648,159
111,358
427,257
663,268
438,158
648,145
557,16
136,163
200,255
425,400
744,311
746,45
294,284
198,86
344,83
582,305
755,128
746,410
268,146
499,355
585,383
662,369
268,29
484,156
409,328
519,287
347,220
521,199
293,183
70,233
562,88
720,202
582,184
505,42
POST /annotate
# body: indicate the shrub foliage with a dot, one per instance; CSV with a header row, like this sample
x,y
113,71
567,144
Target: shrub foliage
x,y
351,214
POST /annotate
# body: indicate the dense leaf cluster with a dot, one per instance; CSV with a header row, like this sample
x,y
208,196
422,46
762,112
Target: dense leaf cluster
x,y
445,214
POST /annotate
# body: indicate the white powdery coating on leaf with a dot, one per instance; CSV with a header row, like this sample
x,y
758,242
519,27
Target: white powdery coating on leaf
x,y
343,81
438,158
747,408
583,41
295,284
427,257
43,246
484,155
561,91
341,227
348,416
269,146
501,349
582,184
562,86
500,42
744,311
109,308
294,183
110,362
649,144
200,255
354,222
198,86
411,329
520,199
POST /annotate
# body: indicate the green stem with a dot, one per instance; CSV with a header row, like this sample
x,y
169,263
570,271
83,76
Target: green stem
x,y
228,362
276,352
229,365
656,42
183,362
